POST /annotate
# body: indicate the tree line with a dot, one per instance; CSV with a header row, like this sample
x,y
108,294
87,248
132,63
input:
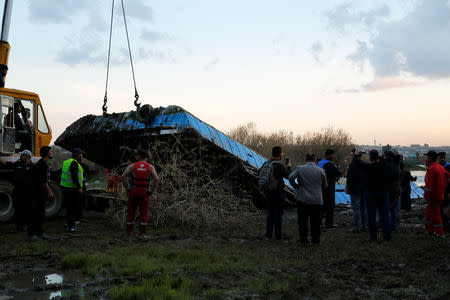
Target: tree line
x,y
295,146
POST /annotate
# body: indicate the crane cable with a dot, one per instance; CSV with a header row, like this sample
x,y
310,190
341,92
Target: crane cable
x,y
105,99
136,94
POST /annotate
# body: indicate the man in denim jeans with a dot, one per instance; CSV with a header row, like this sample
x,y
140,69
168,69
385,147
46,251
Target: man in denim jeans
x,y
376,195
355,186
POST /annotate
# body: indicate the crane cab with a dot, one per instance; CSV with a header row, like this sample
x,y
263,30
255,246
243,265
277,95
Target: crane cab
x,y
23,124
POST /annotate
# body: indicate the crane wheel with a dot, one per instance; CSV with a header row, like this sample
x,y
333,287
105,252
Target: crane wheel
x,y
6,201
53,206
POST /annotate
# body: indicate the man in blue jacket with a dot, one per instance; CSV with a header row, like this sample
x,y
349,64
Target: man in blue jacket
x,y
333,173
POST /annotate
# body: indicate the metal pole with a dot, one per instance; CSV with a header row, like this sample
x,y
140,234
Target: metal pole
x,y
6,20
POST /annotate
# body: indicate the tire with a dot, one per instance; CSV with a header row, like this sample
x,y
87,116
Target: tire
x,y
6,201
53,206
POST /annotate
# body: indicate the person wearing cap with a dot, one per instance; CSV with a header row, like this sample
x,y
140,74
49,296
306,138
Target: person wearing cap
x,y
435,183
22,186
137,181
72,176
442,160
40,173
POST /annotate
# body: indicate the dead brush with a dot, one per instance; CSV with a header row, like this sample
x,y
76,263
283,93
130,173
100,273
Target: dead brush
x,y
193,189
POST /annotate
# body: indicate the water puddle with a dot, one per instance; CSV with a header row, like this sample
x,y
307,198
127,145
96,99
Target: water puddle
x,y
37,279
37,296
54,278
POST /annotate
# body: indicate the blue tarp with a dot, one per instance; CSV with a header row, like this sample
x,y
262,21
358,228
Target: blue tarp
x,y
344,199
183,120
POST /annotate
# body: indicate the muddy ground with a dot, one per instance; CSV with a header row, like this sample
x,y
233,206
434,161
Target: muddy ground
x,y
224,263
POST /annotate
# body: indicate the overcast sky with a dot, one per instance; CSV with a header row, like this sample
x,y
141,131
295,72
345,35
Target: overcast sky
x,y
379,69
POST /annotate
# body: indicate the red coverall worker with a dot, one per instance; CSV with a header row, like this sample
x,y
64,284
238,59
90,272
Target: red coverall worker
x,y
435,183
139,188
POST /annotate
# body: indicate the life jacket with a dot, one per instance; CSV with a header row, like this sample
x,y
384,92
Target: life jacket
x,y
140,176
323,162
66,176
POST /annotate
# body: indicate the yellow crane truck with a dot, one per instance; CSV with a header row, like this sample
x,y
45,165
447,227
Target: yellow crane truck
x,y
37,132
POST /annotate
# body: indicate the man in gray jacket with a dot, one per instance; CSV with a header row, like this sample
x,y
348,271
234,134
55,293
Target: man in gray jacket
x,y
309,180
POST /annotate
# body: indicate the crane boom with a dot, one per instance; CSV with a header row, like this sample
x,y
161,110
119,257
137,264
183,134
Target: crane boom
x,y
4,45
6,21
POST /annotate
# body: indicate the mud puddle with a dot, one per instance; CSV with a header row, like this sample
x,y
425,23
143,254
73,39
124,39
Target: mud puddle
x,y
38,285
46,295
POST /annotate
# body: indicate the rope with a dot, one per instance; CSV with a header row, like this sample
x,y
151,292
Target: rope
x,y
136,95
105,99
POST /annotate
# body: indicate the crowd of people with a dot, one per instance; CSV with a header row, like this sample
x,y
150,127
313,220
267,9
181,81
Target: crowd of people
x,y
32,190
379,185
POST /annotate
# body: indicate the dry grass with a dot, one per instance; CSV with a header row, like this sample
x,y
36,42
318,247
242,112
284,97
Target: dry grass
x,y
189,192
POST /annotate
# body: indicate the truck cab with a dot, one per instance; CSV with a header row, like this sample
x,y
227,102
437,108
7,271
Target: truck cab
x,y
23,124
32,133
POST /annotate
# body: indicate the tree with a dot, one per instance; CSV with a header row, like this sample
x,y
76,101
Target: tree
x,y
295,147
318,142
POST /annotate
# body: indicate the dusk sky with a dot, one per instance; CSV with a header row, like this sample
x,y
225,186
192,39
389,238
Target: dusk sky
x,y
378,69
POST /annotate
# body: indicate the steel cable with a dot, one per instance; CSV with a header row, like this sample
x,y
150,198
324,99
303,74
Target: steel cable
x,y
136,95
105,99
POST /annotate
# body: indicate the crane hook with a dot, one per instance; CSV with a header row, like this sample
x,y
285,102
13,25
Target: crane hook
x,y
136,98
104,107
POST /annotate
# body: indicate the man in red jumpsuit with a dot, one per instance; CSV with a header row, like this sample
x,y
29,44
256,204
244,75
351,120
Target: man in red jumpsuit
x,y
138,182
435,183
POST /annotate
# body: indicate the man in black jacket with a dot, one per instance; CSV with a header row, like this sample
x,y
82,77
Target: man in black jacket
x,y
393,179
377,195
442,160
41,192
355,187
22,187
275,199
